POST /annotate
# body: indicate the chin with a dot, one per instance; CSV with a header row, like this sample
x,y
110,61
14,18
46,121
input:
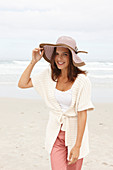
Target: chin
x,y
62,68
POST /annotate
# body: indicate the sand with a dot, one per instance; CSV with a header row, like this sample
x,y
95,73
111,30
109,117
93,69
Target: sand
x,y
22,134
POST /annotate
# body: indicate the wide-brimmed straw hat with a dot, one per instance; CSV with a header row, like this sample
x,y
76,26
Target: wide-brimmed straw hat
x,y
67,42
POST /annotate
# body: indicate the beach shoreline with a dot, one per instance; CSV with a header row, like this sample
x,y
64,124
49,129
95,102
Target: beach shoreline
x,y
99,94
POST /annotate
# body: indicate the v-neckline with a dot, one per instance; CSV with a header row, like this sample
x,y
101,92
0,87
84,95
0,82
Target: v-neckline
x,y
53,94
53,88
65,90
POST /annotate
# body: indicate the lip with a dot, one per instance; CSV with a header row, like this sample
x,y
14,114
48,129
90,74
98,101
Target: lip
x,y
60,64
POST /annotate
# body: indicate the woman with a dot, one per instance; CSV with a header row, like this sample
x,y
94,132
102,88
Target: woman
x,y
67,92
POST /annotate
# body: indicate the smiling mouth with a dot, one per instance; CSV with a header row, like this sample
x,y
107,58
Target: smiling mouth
x,y
60,63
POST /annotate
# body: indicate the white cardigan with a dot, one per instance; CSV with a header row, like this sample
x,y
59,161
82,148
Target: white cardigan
x,y
81,100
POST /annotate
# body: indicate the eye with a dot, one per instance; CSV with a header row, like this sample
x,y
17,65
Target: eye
x,y
65,54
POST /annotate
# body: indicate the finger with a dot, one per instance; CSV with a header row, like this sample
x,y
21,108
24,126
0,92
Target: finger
x,y
34,50
39,48
70,156
42,53
74,159
72,162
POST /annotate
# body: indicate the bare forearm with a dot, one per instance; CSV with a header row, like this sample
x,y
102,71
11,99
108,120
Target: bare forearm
x,y
81,122
24,79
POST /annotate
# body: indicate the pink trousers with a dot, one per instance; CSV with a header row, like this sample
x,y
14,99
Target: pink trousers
x,y
59,153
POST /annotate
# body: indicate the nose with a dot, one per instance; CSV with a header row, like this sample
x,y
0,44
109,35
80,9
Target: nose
x,y
60,56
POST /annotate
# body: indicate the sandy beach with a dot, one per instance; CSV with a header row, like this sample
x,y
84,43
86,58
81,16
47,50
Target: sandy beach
x,y
22,134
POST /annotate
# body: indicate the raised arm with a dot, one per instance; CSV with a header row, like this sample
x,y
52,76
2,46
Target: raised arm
x,y
25,80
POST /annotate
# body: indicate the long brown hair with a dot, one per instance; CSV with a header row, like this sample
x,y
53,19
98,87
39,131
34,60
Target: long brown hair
x,y
73,71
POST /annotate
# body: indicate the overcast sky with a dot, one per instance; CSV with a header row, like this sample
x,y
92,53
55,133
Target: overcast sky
x,y
26,23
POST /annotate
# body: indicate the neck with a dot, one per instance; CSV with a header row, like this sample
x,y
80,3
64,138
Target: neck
x,y
64,73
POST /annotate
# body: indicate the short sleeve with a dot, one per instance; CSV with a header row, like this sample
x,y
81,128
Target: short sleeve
x,y
38,81
85,102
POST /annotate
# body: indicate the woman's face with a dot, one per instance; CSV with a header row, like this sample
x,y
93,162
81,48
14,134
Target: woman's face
x,y
62,57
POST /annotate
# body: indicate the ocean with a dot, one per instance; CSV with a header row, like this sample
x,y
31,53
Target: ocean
x,y
100,74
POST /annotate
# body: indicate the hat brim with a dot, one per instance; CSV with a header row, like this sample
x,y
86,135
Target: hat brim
x,y
49,48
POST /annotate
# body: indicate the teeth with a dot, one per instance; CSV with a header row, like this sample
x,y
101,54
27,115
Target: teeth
x,y
60,62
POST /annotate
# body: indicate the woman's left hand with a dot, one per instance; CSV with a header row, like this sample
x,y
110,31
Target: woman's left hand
x,y
74,154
